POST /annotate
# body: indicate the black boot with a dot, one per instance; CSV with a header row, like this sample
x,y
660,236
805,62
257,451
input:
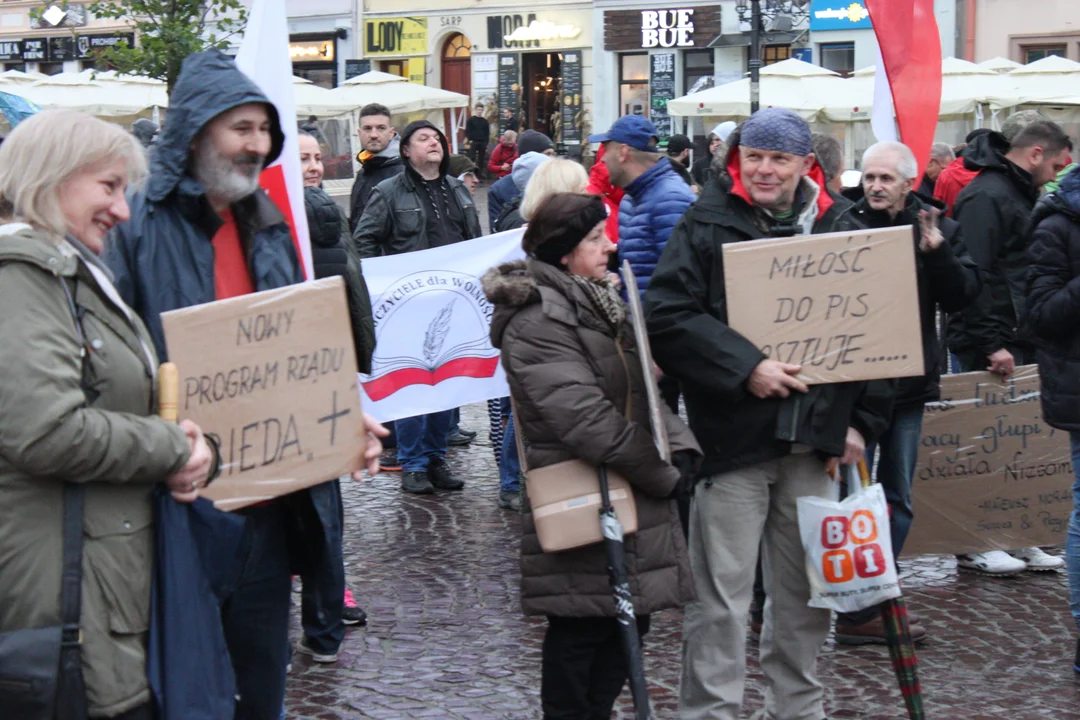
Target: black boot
x,y
417,483
441,477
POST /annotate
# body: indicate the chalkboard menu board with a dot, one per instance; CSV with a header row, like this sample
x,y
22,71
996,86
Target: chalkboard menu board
x,y
661,90
571,102
356,67
509,89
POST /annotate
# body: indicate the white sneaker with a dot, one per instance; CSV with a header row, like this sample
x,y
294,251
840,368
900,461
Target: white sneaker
x,y
993,562
327,658
1037,560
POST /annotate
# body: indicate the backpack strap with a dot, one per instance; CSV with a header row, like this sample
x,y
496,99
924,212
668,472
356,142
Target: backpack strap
x,y
71,689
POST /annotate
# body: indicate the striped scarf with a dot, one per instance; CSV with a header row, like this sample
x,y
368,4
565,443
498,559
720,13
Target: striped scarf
x,y
605,298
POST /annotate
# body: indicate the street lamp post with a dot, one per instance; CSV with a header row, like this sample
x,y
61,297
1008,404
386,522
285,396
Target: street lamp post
x,y
784,15
755,55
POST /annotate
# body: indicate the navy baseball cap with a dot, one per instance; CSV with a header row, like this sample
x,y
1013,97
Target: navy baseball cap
x,y
633,130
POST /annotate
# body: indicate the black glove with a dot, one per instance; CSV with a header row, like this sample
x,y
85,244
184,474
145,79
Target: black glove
x,y
684,461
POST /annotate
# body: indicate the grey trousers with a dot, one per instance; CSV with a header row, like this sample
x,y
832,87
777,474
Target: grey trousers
x,y
731,516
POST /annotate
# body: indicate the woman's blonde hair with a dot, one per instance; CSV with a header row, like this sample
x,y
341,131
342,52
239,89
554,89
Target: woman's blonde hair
x,y
46,150
554,176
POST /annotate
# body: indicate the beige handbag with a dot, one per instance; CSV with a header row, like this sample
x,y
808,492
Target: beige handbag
x,y
565,499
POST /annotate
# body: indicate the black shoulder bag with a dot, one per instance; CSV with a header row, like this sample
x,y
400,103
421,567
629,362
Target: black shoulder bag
x,y
41,668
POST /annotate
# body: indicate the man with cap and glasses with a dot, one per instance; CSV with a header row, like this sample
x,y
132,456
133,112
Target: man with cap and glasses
x,y
766,434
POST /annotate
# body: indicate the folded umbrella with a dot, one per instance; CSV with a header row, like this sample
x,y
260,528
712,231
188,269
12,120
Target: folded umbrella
x,y
905,664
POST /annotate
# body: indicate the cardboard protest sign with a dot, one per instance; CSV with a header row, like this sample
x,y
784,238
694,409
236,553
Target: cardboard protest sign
x,y
992,475
844,306
273,376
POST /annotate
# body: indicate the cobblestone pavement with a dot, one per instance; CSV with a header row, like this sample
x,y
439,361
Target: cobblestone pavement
x,y
438,577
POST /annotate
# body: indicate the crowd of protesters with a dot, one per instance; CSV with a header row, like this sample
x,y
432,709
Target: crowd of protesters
x,y
87,267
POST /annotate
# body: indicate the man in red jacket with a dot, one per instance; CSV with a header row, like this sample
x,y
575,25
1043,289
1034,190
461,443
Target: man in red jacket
x,y
955,177
504,154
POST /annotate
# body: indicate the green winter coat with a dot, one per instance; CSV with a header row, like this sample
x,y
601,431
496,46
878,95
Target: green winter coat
x,y
117,448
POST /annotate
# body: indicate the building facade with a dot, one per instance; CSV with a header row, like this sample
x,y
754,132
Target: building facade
x,y
66,44
1019,30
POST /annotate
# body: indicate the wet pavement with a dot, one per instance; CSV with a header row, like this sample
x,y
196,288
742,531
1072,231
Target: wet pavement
x,y
438,576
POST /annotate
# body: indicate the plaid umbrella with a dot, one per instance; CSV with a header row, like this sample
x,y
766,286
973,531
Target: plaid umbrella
x,y
894,613
16,108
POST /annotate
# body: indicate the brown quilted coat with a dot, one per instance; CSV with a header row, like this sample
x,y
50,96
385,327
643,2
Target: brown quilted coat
x,y
570,386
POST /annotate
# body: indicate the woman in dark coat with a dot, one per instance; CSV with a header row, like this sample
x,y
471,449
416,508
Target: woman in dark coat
x,y
572,365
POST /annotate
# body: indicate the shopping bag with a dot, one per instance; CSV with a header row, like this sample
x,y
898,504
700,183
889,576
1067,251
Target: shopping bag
x,y
849,558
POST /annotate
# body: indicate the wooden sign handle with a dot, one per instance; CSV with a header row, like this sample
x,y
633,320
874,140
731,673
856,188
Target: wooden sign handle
x,y
168,392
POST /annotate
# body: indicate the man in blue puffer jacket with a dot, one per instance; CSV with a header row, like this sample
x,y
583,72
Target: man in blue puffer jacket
x,y
656,197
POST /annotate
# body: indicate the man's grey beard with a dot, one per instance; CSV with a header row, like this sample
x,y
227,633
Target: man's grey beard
x,y
223,178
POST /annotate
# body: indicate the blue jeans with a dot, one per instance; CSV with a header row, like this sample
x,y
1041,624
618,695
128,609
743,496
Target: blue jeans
x,y
510,464
256,615
1072,542
323,598
899,453
422,438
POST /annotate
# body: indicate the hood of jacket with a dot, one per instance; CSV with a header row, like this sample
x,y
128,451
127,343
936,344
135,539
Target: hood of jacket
x,y
639,189
987,151
209,84
21,243
525,166
509,287
822,200
388,155
987,154
444,166
600,180
1065,200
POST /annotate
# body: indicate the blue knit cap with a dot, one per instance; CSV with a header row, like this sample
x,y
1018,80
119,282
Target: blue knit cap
x,y
779,130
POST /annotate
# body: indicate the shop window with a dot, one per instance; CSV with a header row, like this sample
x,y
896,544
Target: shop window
x,y
51,68
458,47
838,57
698,70
323,77
772,54
396,67
21,67
1038,52
633,84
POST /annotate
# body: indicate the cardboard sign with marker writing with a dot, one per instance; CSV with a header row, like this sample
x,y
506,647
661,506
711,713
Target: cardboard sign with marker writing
x,y
992,475
273,376
844,306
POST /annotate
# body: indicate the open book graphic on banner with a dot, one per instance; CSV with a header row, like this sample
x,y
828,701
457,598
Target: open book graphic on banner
x,y
454,344
432,327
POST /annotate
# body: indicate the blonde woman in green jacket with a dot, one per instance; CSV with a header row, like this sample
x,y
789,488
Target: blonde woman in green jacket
x,y
65,419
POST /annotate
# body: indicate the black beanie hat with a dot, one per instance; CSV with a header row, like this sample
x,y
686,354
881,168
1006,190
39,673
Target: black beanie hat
x,y
560,223
415,125
533,141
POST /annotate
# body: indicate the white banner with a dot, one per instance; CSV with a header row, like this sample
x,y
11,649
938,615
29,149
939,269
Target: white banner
x,y
432,325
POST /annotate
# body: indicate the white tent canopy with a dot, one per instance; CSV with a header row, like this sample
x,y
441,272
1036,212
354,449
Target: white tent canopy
x,y
314,100
1000,65
792,84
1042,80
964,86
18,76
396,93
104,95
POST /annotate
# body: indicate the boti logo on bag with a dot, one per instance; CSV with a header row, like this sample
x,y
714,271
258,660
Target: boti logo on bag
x,y
852,548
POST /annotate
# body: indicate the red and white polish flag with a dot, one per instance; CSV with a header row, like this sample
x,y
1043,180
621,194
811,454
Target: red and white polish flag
x,y
910,70
264,57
